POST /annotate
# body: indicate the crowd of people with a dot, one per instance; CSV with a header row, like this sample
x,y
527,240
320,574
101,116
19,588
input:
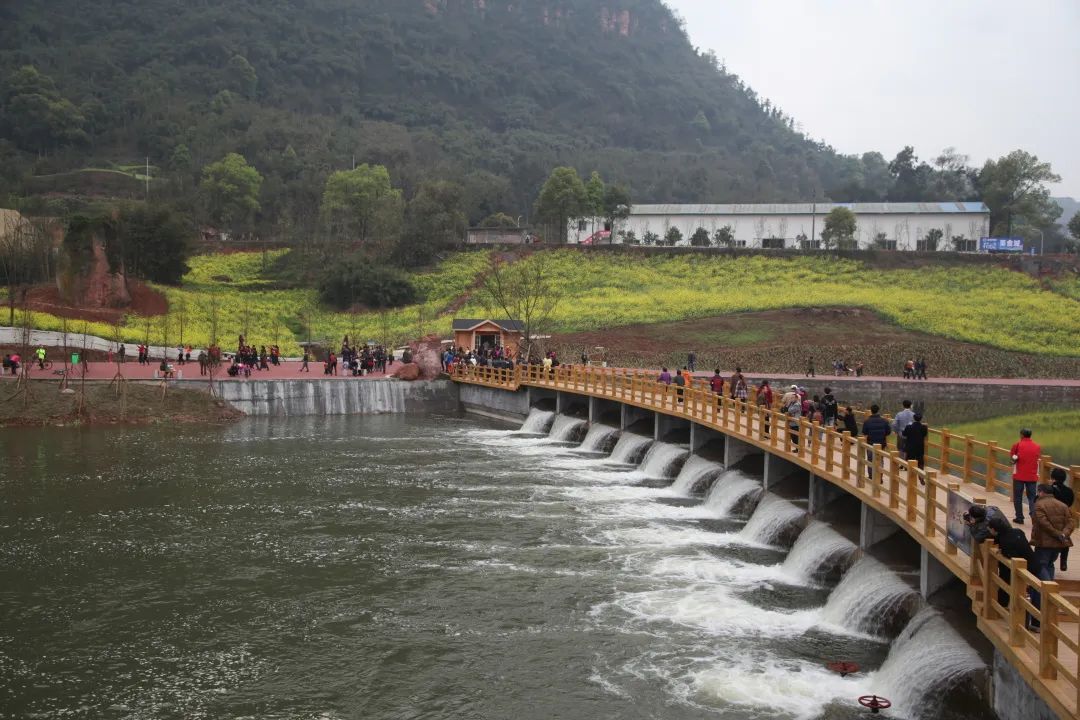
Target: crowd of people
x,y
1052,523
353,360
495,356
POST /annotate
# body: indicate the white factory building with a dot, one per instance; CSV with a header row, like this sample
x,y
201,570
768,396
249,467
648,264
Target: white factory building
x,y
893,226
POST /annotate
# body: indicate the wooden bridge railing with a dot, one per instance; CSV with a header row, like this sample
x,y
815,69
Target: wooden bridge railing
x,y
914,498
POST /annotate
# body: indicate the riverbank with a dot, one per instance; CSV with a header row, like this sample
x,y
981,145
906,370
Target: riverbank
x,y
138,404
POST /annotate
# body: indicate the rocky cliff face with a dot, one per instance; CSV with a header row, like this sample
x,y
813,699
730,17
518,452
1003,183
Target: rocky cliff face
x,y
88,278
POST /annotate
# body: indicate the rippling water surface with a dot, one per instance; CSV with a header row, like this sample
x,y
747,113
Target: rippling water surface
x,y
387,567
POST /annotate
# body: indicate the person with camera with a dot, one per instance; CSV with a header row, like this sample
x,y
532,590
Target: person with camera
x,y
1013,543
978,518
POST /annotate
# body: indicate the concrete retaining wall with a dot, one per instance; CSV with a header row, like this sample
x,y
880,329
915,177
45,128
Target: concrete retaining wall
x,y
1013,697
492,402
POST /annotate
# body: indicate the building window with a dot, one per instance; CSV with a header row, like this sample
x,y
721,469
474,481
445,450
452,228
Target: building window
x,y
739,243
888,244
963,245
806,244
772,243
582,225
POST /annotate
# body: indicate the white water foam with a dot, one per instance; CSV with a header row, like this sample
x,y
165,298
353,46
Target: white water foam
x,y
928,659
565,428
767,683
772,516
728,489
630,448
869,596
598,437
716,610
538,422
694,471
662,459
817,546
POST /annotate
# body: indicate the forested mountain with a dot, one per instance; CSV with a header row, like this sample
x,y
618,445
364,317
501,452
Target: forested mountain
x,y
490,93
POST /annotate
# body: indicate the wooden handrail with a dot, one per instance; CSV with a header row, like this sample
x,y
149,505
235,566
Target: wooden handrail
x,y
912,497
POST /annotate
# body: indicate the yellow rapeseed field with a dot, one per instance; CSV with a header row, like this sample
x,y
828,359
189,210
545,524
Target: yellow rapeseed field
x,y
990,306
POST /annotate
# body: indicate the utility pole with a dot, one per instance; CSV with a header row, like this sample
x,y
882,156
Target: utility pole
x,y
813,223
147,177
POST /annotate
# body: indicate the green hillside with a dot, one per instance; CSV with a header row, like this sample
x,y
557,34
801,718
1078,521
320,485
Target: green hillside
x,y
993,308
490,94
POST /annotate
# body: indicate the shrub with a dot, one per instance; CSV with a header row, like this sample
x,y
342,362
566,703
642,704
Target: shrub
x,y
356,281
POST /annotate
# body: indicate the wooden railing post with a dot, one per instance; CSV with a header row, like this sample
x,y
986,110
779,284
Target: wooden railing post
x,y
845,456
990,571
1048,641
946,445
930,514
1046,464
876,468
969,450
991,467
1074,481
912,498
860,462
894,479
1016,609
830,449
950,549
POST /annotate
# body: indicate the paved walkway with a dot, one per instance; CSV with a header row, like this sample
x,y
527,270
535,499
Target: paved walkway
x,y
288,370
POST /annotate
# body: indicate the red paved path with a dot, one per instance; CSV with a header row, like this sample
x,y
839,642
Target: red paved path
x,y
290,370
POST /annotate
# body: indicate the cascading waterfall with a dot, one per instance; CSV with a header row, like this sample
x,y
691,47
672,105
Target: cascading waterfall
x,y
696,470
538,422
663,459
772,516
928,659
630,448
566,428
297,398
599,438
869,598
818,547
728,489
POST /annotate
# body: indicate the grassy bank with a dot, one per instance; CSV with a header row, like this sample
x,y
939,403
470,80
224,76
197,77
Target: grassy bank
x,y
1058,432
977,304
140,404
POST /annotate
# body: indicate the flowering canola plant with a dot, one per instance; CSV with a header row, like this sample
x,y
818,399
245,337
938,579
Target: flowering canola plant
x,y
990,306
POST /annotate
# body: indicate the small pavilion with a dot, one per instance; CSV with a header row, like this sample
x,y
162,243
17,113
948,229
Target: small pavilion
x,y
477,334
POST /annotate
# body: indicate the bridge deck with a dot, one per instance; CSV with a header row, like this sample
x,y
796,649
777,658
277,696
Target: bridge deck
x,y
913,498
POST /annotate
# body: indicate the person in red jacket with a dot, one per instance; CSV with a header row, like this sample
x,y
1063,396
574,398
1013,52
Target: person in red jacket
x,y
1025,457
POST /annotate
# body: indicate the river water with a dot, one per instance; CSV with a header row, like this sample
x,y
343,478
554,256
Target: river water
x,y
399,567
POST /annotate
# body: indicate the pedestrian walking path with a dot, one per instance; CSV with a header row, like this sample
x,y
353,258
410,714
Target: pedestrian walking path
x,y
189,372
915,499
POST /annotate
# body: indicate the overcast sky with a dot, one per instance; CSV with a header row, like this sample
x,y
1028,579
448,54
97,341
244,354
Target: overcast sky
x,y
985,76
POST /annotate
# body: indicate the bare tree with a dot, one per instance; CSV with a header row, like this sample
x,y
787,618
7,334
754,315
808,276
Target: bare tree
x,y
118,339
181,316
23,385
80,403
64,340
524,291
